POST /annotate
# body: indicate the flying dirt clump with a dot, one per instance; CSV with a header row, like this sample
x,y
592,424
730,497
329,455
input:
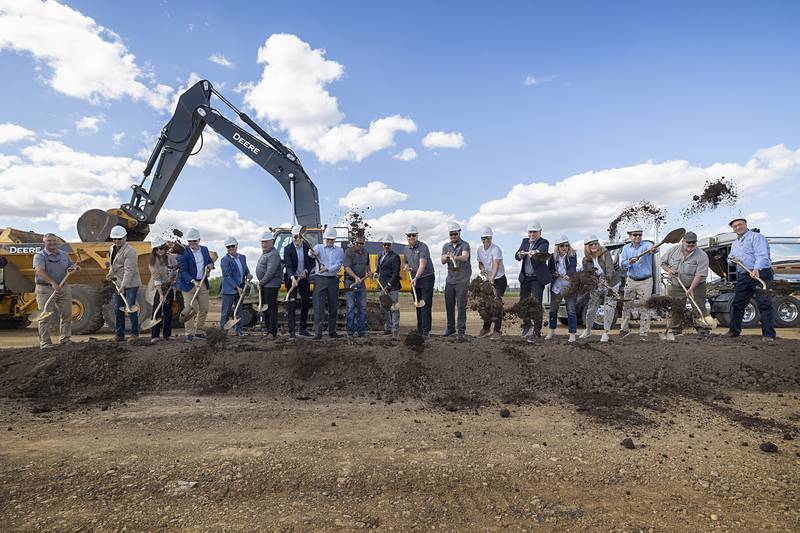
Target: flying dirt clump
x,y
671,307
527,309
356,226
641,212
415,341
715,193
483,299
581,283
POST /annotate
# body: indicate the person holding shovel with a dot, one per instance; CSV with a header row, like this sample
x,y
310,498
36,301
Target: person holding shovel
x,y
389,276
490,264
687,266
194,264
162,267
750,254
326,283
50,266
420,269
356,270
269,272
638,283
534,274
596,258
563,263
298,263
235,276
455,254
124,273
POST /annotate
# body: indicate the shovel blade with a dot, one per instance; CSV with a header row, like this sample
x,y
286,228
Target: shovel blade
x,y
420,304
386,300
231,323
187,315
36,317
675,235
148,323
260,308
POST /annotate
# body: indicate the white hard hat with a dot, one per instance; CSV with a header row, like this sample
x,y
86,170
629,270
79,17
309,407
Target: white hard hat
x,y
118,232
635,229
562,240
296,229
192,234
231,241
157,242
330,233
591,238
737,217
388,238
535,225
267,236
412,230
454,226
486,232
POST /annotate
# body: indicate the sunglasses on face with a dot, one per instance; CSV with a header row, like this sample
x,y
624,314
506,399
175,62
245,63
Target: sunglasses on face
x,y
636,234
453,233
563,245
411,234
230,246
594,244
484,238
297,237
691,243
387,244
190,242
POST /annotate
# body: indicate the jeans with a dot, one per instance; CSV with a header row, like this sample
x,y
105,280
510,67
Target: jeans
x,y
531,287
572,315
228,303
456,294
326,291
356,303
746,288
119,315
424,290
303,290
269,295
391,319
166,315
500,286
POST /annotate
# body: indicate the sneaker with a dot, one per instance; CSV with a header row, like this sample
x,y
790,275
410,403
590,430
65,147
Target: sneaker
x,y
189,338
526,330
586,333
334,335
386,332
463,336
537,333
292,336
571,337
200,335
133,339
483,333
155,340
47,346
550,335
531,339
730,334
496,335
119,339
448,333
767,338
642,337
66,342
624,333
305,333
604,337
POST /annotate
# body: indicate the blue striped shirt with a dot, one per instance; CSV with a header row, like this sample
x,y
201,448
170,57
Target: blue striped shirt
x,y
643,268
752,249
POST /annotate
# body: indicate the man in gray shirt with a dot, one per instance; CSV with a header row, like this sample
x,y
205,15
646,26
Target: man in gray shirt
x,y
269,273
689,264
420,269
356,269
455,254
51,266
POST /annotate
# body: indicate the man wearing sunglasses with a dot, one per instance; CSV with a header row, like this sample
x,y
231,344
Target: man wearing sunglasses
x,y
193,266
389,276
298,264
356,270
455,254
235,276
420,269
638,283
490,262
689,264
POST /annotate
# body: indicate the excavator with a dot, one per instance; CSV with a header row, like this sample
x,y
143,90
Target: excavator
x,y
175,145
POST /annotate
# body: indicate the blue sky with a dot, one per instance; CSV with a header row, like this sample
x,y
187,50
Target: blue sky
x,y
615,92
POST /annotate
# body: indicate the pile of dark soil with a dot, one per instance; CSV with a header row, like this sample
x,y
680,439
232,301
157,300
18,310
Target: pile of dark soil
x,y
715,193
641,212
482,299
581,283
527,309
415,341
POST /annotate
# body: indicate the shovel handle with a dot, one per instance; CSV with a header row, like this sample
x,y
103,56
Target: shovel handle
x,y
53,294
122,295
197,289
749,273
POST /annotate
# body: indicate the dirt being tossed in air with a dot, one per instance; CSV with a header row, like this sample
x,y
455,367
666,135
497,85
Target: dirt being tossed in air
x,y
581,283
357,227
414,341
671,307
482,298
527,309
643,212
715,193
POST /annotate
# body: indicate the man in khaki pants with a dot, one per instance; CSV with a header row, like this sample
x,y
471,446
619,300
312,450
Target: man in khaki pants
x,y
639,282
193,265
51,265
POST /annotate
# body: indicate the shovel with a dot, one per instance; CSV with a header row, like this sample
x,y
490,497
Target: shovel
x,y
671,238
761,281
293,287
385,299
188,312
127,307
44,313
235,319
417,303
260,308
148,323
709,321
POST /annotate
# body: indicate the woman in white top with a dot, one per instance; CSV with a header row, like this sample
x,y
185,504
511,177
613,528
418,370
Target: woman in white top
x,y
490,261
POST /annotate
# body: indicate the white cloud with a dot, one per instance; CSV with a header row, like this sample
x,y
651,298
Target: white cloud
x,y
7,160
588,201
117,138
10,133
86,60
533,80
292,93
242,161
214,225
432,225
221,60
406,155
440,139
89,123
375,195
758,216
209,154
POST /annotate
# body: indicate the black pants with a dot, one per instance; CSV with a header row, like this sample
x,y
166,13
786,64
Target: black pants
x,y
269,295
303,290
746,288
500,286
532,287
166,315
326,292
425,292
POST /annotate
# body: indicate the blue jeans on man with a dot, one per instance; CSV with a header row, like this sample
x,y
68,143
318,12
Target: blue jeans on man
x,y
228,303
119,314
746,288
356,304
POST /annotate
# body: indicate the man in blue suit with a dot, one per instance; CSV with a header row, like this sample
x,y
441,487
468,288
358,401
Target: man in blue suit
x,y
193,266
534,274
235,276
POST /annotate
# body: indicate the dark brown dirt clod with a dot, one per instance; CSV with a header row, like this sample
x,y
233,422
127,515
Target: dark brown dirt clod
x,y
768,447
641,212
415,341
715,193
628,443
505,413
527,309
483,300
582,283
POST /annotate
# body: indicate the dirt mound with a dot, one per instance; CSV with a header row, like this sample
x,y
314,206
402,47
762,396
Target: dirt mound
x,y
715,193
641,212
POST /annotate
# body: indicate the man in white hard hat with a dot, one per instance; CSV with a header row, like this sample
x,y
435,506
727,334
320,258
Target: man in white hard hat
x,y
490,263
298,265
235,276
125,273
420,269
389,276
455,254
326,283
194,264
51,266
638,281
269,273
751,249
534,274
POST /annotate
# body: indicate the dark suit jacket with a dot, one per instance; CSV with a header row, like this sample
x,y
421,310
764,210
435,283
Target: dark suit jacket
x,y
571,263
389,271
290,262
540,268
187,268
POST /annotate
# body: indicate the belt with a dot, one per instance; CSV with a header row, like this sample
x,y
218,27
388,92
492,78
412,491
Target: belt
x,y
640,279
